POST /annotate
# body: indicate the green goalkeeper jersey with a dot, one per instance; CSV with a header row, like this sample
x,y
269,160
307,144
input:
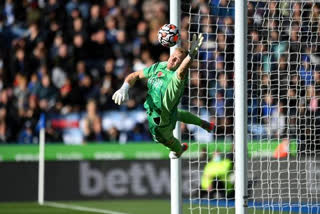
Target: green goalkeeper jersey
x,y
164,92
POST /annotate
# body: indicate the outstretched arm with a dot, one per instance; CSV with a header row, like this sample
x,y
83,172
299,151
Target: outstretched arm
x,y
122,95
195,45
133,77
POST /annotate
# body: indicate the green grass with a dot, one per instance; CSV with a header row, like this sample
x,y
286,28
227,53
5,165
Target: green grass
x,y
113,206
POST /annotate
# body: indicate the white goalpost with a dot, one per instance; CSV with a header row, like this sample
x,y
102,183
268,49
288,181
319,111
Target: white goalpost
x,y
175,164
240,107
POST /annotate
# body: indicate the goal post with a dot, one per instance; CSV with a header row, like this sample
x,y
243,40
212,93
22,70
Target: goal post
x,y
240,106
175,164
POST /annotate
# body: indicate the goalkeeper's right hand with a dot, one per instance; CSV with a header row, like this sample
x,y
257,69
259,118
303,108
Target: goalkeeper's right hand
x,y
122,95
195,45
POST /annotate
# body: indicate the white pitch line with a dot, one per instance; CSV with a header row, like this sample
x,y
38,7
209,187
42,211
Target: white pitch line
x,y
80,208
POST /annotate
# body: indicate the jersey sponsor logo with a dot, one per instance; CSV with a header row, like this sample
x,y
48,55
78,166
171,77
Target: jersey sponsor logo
x,y
155,82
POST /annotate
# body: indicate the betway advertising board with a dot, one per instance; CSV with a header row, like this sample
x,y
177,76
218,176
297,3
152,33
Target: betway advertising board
x,y
70,180
272,180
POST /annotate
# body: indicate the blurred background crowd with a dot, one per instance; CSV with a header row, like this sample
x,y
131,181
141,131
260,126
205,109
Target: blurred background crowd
x,y
67,57
64,57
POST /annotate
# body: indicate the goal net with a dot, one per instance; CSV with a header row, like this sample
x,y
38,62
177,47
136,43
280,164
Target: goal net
x,y
283,81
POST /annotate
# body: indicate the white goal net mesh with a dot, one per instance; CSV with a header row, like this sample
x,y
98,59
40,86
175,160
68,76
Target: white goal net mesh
x,y
283,106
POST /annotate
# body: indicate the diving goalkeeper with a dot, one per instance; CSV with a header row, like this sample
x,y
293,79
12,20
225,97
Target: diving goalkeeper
x,y
166,83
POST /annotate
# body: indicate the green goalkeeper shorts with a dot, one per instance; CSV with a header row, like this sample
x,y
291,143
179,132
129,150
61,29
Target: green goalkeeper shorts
x,y
164,135
160,134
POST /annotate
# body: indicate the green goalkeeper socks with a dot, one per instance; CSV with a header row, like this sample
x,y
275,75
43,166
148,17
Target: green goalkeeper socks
x,y
185,117
174,145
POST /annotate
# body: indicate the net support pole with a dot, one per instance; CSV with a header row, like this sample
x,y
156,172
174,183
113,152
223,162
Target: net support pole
x,y
175,164
240,88
41,166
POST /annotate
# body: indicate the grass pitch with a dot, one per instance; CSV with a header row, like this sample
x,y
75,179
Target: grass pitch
x,y
112,207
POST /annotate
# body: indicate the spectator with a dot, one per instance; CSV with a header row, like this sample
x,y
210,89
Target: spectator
x,y
4,131
108,84
33,38
54,50
33,111
268,107
81,5
9,113
276,122
222,8
52,135
113,134
81,71
306,72
46,93
38,56
95,21
55,11
219,104
79,48
26,134
99,49
92,128
21,94
77,28
20,64
111,29
69,99
63,60
87,89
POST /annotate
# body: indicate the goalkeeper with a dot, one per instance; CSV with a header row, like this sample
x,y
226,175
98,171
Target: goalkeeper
x,y
166,82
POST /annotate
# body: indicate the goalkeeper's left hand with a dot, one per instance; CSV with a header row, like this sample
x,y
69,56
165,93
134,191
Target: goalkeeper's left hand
x,y
195,45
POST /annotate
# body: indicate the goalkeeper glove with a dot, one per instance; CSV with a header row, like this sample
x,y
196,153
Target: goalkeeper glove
x,y
195,45
122,95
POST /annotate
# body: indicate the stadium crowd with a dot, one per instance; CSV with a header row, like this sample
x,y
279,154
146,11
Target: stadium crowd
x,y
58,57
66,57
